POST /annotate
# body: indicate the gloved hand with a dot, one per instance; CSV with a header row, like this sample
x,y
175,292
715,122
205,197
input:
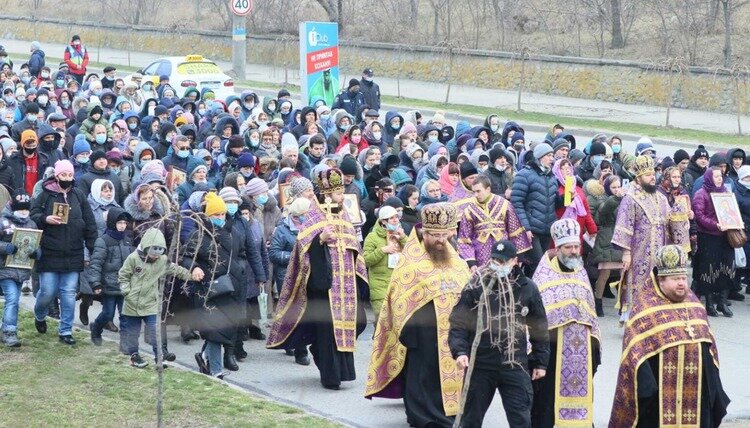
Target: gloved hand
x,y
10,248
97,289
36,254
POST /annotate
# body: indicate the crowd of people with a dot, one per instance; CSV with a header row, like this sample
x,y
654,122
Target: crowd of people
x,y
155,200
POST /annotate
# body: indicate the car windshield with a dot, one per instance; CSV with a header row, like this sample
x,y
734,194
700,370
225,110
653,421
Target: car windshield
x,y
198,68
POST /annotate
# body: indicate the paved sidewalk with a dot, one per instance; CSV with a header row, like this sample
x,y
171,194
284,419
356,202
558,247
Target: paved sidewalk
x,y
460,94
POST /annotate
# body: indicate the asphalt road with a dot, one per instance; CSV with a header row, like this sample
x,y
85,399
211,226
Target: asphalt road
x,y
273,374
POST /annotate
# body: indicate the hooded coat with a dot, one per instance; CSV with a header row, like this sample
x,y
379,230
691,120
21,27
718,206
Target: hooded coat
x,y
109,256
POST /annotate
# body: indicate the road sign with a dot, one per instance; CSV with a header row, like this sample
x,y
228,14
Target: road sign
x,y
241,7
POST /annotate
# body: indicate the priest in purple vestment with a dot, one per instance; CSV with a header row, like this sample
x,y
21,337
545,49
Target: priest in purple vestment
x,y
565,396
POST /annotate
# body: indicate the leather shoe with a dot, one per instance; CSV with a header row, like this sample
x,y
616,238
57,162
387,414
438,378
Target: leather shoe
x,y
302,360
67,339
84,313
202,364
736,295
111,327
256,334
230,363
41,326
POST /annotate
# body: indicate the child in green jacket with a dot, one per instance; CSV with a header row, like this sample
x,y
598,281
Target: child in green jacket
x,y
139,282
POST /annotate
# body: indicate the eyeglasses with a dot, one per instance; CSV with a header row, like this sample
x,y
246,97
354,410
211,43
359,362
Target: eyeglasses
x,y
439,236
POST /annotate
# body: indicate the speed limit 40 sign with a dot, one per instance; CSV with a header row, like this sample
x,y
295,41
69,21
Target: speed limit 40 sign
x,y
241,7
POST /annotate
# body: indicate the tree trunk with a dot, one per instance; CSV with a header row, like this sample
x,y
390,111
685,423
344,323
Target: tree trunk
x,y
414,11
340,14
618,42
725,4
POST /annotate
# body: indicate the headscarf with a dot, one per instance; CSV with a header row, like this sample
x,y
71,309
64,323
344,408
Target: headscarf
x,y
576,206
446,187
708,182
424,197
96,191
666,184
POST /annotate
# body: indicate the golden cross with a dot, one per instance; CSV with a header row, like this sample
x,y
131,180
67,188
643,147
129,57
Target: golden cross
x,y
691,368
670,367
690,331
328,206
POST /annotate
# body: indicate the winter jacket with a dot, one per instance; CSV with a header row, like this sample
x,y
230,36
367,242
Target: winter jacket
x,y
84,183
9,222
108,257
411,217
63,244
534,197
606,217
742,194
282,245
349,102
253,251
36,62
87,129
390,134
595,196
212,252
705,214
139,278
694,171
731,154
143,221
463,323
499,180
371,93
101,212
378,272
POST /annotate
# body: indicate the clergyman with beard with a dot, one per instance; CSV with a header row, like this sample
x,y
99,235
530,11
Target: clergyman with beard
x,y
410,357
565,395
645,223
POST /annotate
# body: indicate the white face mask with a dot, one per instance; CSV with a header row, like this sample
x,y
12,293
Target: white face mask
x,y
502,271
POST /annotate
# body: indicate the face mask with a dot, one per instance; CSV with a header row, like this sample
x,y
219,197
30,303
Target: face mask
x,y
391,227
367,79
65,184
45,75
101,138
343,128
395,126
376,135
518,148
31,118
249,106
29,151
494,128
616,149
432,139
232,208
301,219
42,99
262,199
596,160
201,111
83,160
325,117
59,82
97,92
25,79
132,126
502,271
254,142
481,169
155,252
53,103
115,169
182,154
9,100
23,214
500,167
218,222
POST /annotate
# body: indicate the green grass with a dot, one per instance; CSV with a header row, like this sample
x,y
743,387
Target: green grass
x,y
46,383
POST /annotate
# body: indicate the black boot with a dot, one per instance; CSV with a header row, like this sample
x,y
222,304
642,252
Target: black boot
x,y
230,363
83,314
710,309
599,308
256,333
96,334
239,351
736,295
166,355
722,305
186,334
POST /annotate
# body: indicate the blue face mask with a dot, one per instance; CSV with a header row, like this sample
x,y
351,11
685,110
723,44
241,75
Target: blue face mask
x,y
596,160
343,128
182,154
301,219
132,126
325,117
616,149
116,169
254,142
232,208
59,83
395,126
31,117
101,138
262,199
83,161
218,222
432,139
391,227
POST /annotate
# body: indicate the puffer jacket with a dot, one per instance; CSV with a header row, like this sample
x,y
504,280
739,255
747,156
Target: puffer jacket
x,y
742,194
8,223
108,257
281,248
534,197
139,279
606,218
378,272
705,214
63,244
595,196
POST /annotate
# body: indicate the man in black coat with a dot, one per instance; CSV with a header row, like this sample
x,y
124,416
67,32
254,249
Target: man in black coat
x,y
501,361
351,100
370,90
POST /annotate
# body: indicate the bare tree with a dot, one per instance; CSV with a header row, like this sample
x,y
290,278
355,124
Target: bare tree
x,y
727,8
682,25
674,67
333,9
221,8
615,8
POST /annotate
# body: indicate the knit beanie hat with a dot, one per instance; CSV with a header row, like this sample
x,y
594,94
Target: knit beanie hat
x,y
80,145
575,155
700,152
20,202
299,207
300,185
597,149
98,154
399,177
353,82
394,201
680,155
235,142
29,135
198,168
542,150
743,172
348,166
644,144
114,156
230,194
560,143
495,154
288,142
63,166
468,169
518,136
245,160
255,187
386,212
439,117
214,205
